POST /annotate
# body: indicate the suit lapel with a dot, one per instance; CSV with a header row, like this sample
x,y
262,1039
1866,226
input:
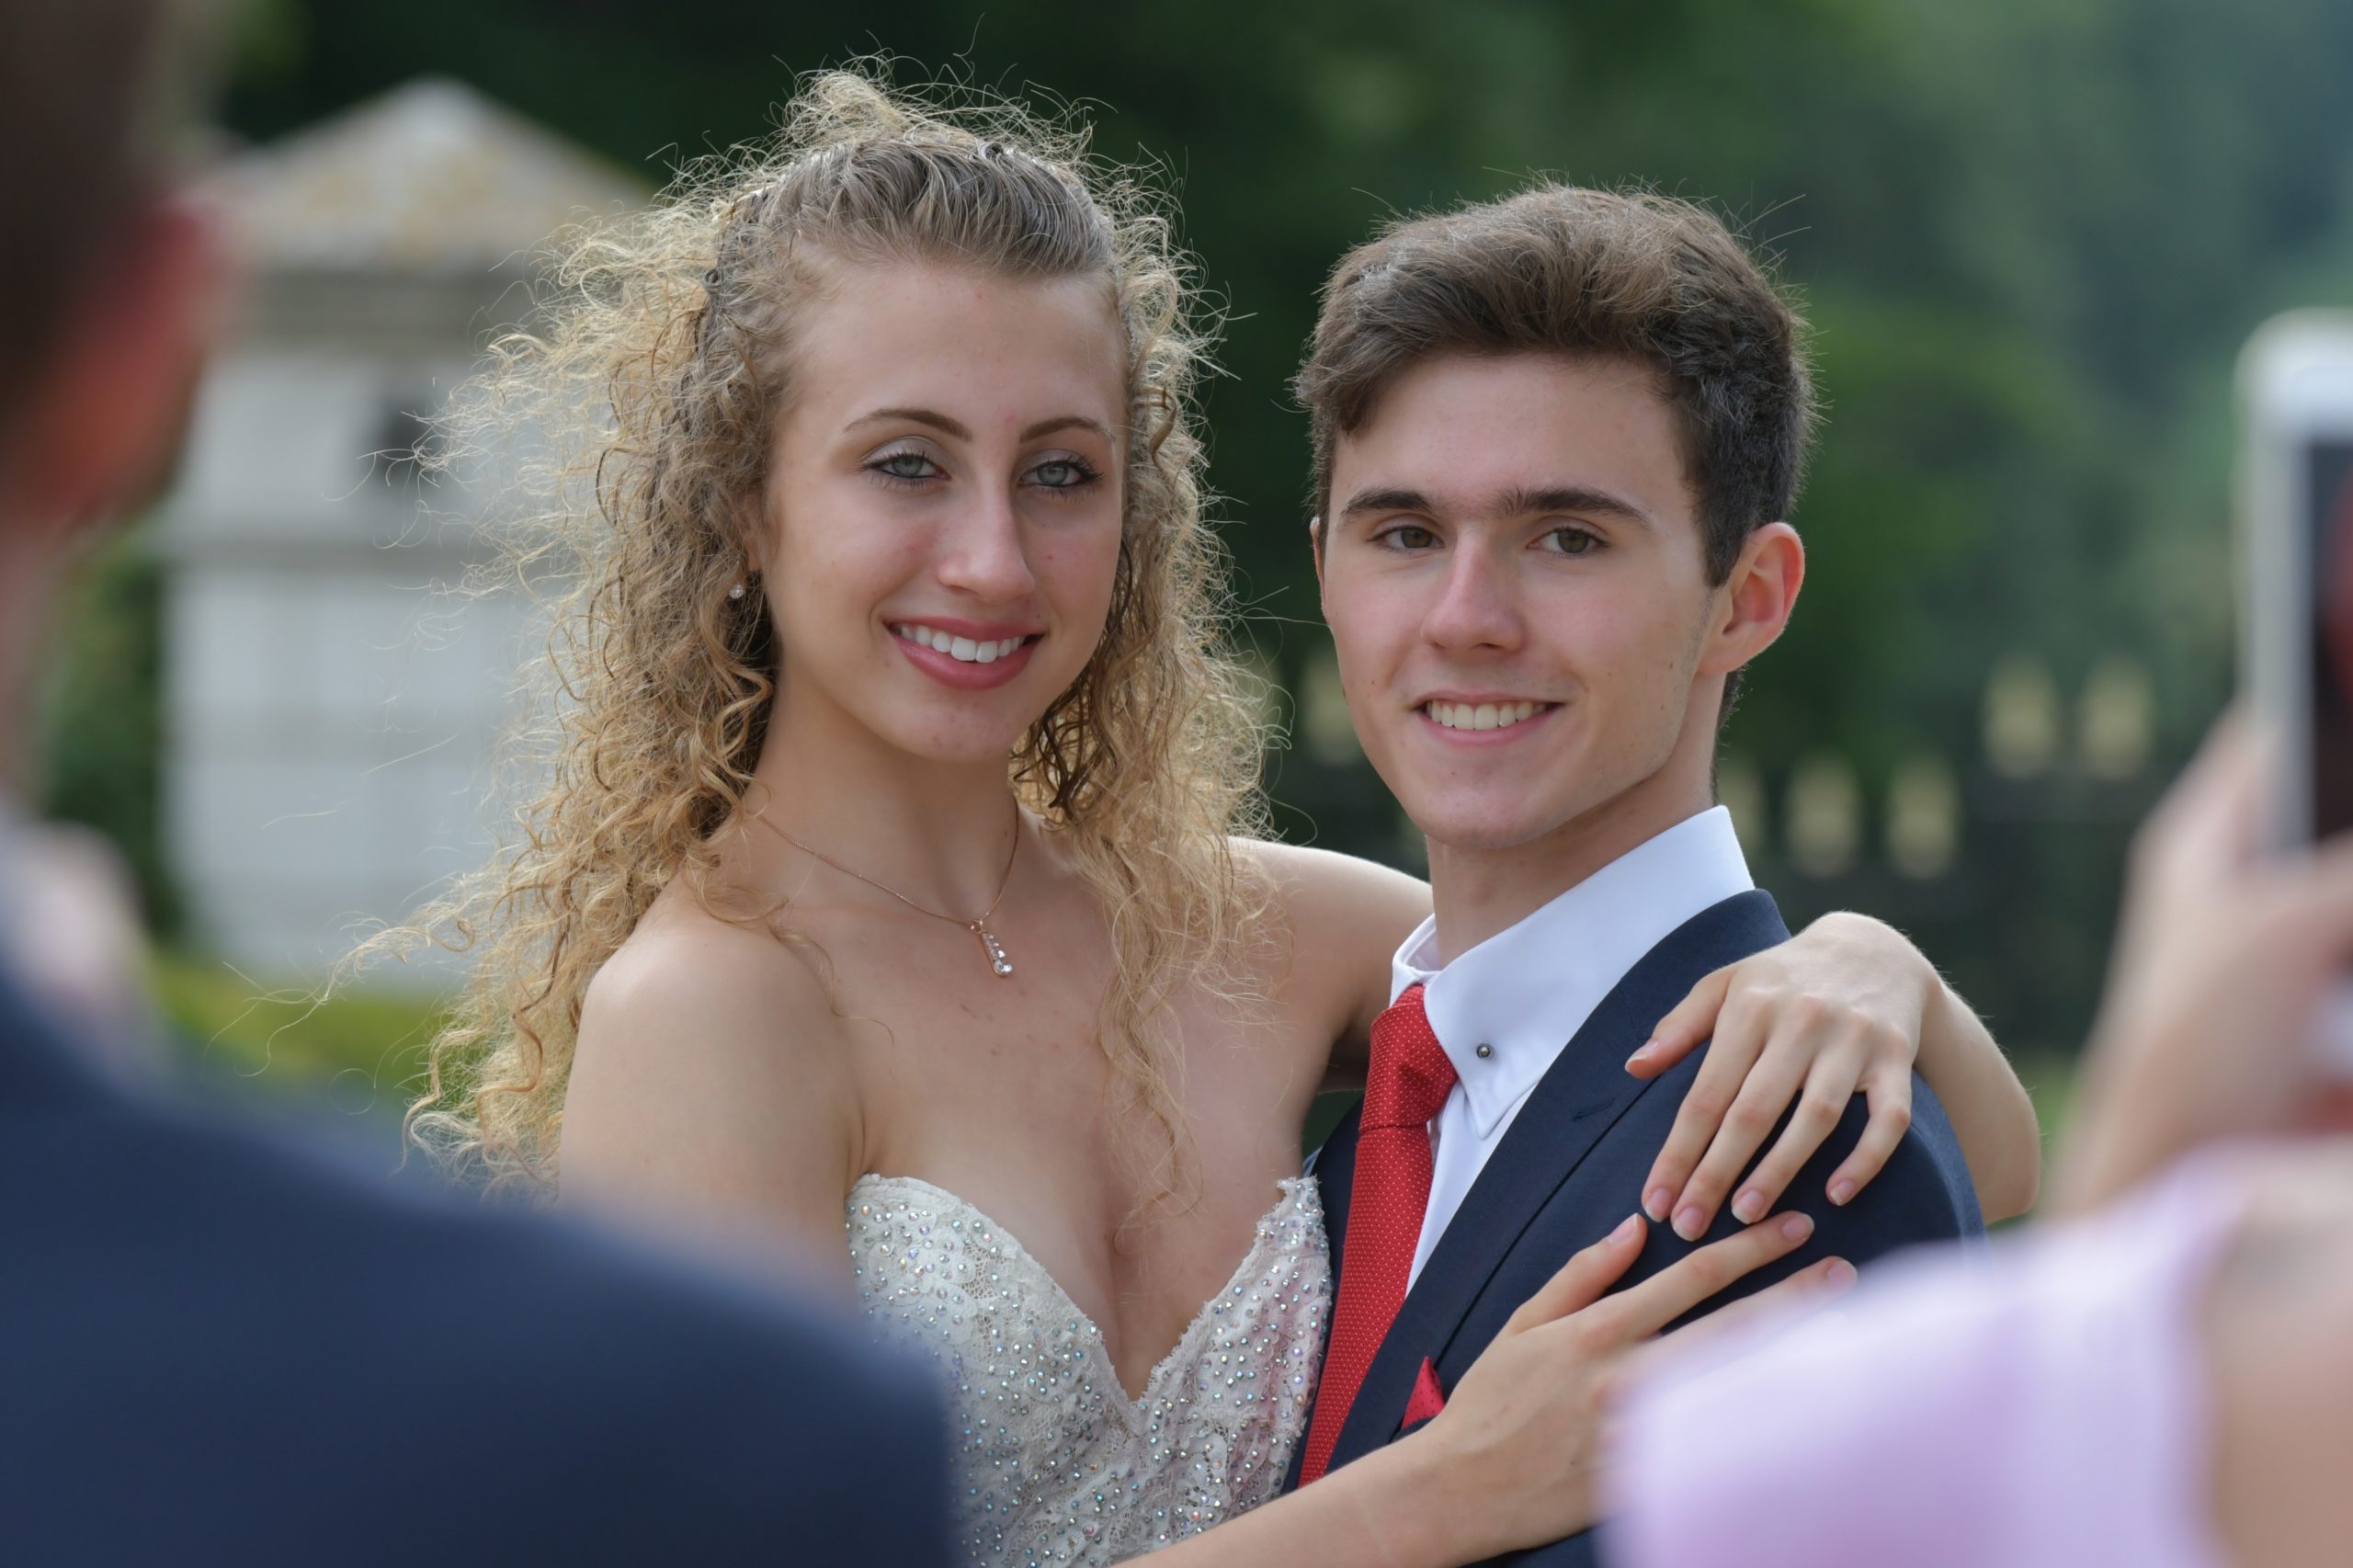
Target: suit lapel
x,y
1335,1171
1576,1101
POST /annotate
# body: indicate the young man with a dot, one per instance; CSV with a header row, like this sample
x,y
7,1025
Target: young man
x,y
1555,438
217,1351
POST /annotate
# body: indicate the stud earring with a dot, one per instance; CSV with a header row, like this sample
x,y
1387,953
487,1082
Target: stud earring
x,y
736,592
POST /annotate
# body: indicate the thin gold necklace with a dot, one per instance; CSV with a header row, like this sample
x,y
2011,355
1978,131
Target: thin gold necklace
x,y
990,945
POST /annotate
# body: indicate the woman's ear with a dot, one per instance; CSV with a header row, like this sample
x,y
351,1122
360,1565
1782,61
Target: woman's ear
x,y
1756,599
755,534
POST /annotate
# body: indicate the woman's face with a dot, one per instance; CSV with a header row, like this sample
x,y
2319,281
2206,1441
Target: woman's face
x,y
944,510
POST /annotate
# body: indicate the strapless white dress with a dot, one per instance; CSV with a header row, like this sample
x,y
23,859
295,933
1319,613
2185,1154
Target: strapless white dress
x,y
1055,1463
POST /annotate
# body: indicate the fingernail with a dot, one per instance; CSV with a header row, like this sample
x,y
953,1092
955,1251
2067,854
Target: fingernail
x,y
1842,1190
1626,1227
1655,1201
1749,1206
1690,1222
1797,1227
1840,1273
1641,1053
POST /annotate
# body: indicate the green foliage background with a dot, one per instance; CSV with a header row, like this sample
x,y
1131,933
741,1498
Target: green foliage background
x,y
2031,234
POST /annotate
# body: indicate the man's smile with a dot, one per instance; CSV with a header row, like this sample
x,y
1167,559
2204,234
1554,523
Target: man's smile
x,y
1483,718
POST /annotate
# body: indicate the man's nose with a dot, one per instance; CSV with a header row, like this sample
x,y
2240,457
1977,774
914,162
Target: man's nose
x,y
1476,607
982,553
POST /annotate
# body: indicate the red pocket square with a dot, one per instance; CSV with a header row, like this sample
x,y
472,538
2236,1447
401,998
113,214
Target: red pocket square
x,y
1429,1398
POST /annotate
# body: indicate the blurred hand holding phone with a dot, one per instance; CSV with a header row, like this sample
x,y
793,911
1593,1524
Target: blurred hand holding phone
x,y
2296,603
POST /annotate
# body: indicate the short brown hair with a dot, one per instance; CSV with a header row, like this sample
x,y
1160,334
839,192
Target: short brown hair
x,y
91,94
1564,271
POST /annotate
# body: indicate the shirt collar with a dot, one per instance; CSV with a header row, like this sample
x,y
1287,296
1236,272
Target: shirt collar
x,y
1525,992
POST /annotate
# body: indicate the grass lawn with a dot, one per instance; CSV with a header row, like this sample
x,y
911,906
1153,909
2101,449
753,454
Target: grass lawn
x,y
362,1051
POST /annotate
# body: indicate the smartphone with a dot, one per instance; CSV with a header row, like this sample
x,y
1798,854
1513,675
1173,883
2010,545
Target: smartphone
x,y
2296,612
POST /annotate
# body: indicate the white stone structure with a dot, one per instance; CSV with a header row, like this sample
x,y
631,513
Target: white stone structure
x,y
330,715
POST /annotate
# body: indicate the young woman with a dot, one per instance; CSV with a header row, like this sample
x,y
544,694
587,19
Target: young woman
x,y
874,459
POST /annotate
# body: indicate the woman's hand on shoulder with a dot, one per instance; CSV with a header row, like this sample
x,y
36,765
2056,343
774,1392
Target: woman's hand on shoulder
x,y
711,1092
1511,1460
1841,1009
1344,919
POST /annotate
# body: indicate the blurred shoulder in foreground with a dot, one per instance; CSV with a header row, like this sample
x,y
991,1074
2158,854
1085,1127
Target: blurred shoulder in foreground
x,y
217,1349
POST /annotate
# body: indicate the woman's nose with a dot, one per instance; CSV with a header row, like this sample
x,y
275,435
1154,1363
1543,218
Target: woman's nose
x,y
982,553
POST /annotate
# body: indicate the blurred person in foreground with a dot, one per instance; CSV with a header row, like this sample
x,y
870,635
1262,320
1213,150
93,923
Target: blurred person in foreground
x,y
2164,1379
217,1351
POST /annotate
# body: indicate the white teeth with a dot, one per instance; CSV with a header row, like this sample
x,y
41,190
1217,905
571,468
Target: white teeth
x,y
1480,716
964,649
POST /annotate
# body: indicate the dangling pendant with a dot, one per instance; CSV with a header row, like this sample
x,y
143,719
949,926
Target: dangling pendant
x,y
994,948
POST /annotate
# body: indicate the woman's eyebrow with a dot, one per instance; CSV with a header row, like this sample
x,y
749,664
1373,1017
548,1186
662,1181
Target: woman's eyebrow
x,y
1065,422
940,421
955,427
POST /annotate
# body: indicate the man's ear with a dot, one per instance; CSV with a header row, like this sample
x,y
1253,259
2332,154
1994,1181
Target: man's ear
x,y
1315,543
1756,598
105,415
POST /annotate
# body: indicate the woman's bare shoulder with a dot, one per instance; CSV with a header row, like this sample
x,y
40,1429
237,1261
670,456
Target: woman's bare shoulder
x,y
1328,895
710,1066
1344,919
685,971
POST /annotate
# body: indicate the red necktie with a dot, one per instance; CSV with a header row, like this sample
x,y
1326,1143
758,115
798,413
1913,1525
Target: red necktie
x,y
1410,1079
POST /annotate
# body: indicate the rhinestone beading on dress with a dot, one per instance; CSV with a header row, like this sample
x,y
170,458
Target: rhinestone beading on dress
x,y
1056,1464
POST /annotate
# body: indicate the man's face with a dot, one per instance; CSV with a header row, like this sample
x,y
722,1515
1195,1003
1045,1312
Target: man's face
x,y
1512,572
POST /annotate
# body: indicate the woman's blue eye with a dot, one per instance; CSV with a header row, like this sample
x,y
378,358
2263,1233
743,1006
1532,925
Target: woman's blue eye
x,y
1061,474
906,465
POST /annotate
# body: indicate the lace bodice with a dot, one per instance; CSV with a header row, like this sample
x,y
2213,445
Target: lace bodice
x,y
1055,1463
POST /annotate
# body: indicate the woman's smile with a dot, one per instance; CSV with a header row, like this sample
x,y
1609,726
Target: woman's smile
x,y
967,663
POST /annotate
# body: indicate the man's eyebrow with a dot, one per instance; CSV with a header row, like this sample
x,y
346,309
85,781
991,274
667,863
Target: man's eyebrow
x,y
940,421
1575,498
1386,499
1518,502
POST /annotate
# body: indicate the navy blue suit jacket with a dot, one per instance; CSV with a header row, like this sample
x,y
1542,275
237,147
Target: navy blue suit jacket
x,y
216,1350
1572,1165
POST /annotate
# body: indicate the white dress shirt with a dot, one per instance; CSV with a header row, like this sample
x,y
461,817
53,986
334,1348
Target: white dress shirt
x,y
1504,1010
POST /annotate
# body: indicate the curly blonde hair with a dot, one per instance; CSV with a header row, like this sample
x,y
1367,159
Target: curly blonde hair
x,y
636,414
